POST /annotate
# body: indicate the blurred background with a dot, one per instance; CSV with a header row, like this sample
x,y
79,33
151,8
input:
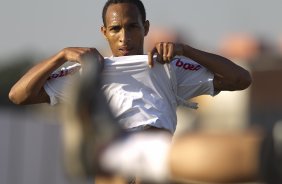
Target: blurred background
x,y
247,31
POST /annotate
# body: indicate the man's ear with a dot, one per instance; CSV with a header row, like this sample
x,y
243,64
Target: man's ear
x,y
146,27
104,31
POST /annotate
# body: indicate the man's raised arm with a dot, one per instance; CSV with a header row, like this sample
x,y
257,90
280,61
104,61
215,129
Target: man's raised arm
x,y
29,89
227,75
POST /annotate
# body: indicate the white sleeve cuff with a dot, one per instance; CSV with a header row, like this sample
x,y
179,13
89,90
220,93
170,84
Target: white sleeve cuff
x,y
53,99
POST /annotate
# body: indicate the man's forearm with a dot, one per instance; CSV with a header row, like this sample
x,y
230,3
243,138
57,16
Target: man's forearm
x,y
220,66
27,89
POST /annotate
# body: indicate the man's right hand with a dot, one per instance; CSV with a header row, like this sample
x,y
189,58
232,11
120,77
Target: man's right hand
x,y
80,54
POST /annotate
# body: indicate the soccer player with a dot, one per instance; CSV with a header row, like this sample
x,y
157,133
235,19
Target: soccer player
x,y
150,106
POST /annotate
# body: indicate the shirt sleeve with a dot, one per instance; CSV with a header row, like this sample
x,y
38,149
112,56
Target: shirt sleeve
x,y
192,78
57,82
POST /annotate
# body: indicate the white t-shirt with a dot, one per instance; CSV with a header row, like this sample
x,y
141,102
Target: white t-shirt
x,y
139,95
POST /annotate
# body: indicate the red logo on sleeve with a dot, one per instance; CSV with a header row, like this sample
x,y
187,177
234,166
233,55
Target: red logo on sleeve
x,y
187,66
63,72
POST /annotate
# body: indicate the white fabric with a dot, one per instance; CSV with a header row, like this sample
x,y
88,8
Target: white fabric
x,y
54,86
144,155
139,95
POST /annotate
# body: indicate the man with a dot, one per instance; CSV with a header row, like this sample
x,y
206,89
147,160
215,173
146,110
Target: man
x,y
125,27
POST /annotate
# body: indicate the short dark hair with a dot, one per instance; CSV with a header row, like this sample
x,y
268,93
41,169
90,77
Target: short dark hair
x,y
137,3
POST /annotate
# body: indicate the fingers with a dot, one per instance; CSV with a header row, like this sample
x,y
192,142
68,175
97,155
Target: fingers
x,y
170,52
154,51
151,57
80,54
165,52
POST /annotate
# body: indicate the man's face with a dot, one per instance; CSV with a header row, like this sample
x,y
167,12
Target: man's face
x,y
124,29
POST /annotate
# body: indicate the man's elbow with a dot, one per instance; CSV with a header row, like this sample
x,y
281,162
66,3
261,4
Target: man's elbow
x,y
244,81
15,98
